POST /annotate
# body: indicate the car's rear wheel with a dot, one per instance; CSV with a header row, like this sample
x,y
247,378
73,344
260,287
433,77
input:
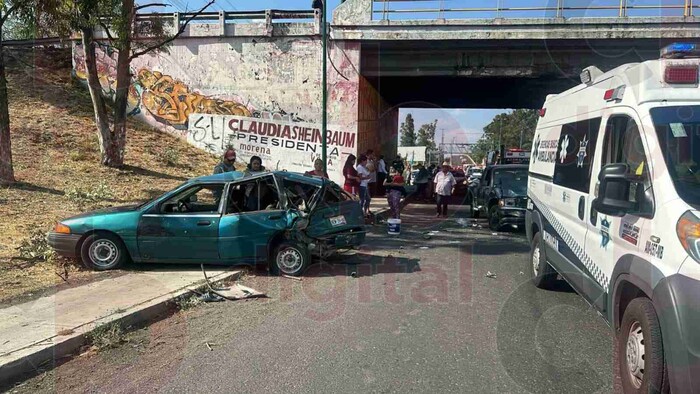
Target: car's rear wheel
x,y
543,275
640,349
290,258
103,251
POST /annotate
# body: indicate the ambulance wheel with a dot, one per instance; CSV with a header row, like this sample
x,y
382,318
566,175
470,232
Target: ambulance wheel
x,y
542,274
290,258
640,349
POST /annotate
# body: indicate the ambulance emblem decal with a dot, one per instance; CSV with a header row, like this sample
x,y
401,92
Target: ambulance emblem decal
x,y
582,152
564,146
604,233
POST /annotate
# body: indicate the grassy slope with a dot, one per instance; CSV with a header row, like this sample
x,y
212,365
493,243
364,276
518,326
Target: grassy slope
x,y
55,154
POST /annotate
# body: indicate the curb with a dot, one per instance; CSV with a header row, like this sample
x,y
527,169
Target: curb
x,y
47,355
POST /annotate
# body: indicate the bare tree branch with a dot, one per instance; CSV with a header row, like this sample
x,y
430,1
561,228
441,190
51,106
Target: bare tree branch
x,y
139,8
10,10
173,38
106,29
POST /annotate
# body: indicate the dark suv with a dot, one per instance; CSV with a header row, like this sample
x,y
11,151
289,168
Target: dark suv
x,y
501,195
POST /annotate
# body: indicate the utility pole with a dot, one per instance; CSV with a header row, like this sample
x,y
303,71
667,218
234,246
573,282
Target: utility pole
x,y
324,99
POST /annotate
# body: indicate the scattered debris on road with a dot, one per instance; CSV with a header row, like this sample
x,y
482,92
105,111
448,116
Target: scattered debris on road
x,y
292,277
424,247
490,274
209,346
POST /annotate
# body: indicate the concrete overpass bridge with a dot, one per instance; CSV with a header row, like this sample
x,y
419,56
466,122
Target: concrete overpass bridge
x,y
384,55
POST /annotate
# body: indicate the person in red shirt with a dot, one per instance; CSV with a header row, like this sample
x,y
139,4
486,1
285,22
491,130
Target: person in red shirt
x,y
395,189
352,178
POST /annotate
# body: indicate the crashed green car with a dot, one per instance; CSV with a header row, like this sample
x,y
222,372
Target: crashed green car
x,y
278,218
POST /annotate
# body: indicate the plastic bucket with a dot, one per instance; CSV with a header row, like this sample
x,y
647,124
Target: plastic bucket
x,y
394,226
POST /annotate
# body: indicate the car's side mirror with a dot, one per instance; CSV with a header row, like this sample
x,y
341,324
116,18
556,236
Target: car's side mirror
x,y
614,191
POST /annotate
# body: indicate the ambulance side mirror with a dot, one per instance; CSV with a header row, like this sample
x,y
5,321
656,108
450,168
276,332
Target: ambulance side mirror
x,y
614,191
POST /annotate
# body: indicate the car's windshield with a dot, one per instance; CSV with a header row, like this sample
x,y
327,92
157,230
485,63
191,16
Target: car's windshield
x,y
678,130
513,182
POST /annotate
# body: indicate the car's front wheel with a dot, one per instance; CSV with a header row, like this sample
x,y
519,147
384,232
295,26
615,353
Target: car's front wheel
x,y
494,219
290,258
103,251
640,349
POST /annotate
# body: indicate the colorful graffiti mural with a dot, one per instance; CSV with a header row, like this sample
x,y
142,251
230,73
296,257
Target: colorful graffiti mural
x,y
107,73
170,101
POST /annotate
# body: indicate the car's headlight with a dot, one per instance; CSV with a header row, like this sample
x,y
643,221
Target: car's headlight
x,y
61,228
506,202
688,230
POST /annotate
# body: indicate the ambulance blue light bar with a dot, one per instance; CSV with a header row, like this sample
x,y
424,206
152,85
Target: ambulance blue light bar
x,y
680,50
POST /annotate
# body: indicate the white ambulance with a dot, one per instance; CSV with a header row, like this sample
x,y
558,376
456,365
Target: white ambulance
x,y
614,209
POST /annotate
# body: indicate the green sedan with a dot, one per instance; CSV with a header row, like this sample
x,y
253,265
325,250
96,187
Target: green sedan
x,y
278,218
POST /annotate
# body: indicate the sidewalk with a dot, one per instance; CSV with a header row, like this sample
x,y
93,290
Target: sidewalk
x,y
45,330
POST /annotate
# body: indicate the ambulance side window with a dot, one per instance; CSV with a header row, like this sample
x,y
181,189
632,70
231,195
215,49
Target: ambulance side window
x,y
575,153
623,144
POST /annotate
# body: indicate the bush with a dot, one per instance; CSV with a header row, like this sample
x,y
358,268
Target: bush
x,y
106,336
98,193
171,156
36,247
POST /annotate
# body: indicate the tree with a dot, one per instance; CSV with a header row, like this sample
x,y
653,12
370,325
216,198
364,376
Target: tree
x,y
506,129
408,132
130,37
426,135
26,18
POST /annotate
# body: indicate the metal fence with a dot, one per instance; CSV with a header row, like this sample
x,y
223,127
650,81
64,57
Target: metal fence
x,y
227,17
515,9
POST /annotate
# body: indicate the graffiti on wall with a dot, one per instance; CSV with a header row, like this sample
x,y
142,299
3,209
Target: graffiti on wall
x,y
167,100
107,74
171,102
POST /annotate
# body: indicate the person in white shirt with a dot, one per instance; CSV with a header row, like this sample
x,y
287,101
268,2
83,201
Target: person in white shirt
x,y
381,175
444,187
365,176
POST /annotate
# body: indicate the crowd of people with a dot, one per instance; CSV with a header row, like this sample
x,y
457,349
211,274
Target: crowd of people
x,y
367,176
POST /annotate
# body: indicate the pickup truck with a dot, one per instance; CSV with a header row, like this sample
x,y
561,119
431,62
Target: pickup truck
x,y
501,195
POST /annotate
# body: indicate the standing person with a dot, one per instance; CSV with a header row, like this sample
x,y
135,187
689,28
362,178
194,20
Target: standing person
x,y
395,190
372,167
397,164
352,178
318,170
227,163
364,175
421,181
381,175
254,166
444,187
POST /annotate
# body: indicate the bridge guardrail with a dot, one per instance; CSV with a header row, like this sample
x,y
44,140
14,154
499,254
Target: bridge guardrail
x,y
519,9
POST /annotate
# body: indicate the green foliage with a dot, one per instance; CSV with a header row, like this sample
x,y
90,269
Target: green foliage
x,y
107,336
30,19
426,135
36,247
506,129
408,132
101,192
171,156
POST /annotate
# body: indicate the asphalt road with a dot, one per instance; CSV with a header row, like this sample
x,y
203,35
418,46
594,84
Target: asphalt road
x,y
412,313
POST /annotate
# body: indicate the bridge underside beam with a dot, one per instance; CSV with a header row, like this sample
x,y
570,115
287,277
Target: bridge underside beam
x,y
490,74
